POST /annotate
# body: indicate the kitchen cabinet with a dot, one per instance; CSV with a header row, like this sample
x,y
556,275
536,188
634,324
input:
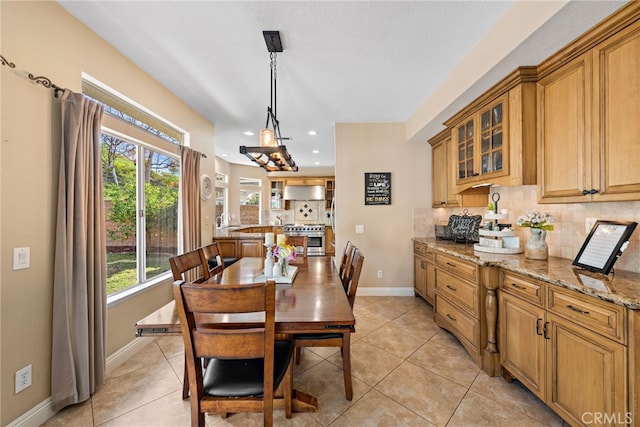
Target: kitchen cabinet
x,y
238,248
567,348
312,180
276,194
588,104
329,192
424,272
465,306
442,172
228,247
494,137
329,241
251,248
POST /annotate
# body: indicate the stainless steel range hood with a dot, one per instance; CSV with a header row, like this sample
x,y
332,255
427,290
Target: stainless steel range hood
x,y
304,192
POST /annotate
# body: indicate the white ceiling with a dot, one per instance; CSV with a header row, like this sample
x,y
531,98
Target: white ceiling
x,y
343,61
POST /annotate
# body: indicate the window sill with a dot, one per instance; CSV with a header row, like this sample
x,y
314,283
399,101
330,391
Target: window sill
x,y
124,295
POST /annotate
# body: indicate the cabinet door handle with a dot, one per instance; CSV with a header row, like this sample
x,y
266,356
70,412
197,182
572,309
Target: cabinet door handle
x,y
451,317
422,265
443,202
538,326
452,288
544,331
451,264
522,288
577,310
585,192
593,191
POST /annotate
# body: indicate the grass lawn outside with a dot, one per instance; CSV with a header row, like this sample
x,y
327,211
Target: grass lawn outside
x,y
121,269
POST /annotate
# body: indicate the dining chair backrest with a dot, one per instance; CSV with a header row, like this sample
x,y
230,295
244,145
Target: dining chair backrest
x,y
353,277
300,242
188,266
345,263
231,351
212,258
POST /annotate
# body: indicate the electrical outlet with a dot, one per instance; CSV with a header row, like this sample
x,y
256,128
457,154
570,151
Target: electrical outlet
x,y
379,274
588,224
23,378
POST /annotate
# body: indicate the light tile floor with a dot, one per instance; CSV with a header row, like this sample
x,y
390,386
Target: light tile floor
x,y
406,372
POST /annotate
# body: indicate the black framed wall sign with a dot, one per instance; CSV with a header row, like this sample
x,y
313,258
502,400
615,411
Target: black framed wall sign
x,y
604,245
377,188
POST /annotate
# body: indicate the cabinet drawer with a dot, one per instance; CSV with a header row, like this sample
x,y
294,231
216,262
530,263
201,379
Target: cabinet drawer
x,y
419,249
598,316
461,322
463,293
465,269
527,289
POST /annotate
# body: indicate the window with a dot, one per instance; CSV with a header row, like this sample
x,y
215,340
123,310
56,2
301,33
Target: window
x,y
141,176
250,200
222,183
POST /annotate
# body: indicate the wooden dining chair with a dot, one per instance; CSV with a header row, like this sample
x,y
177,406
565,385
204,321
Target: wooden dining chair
x,y
246,365
299,242
212,258
189,267
342,340
345,263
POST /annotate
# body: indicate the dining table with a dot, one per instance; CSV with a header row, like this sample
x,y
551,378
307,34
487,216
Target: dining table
x,y
311,300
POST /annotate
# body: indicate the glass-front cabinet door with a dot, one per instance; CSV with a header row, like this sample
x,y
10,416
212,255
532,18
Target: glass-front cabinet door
x,y
466,141
491,139
481,143
276,194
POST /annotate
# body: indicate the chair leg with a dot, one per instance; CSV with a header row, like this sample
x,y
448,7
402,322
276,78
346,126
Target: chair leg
x,y
346,364
298,354
185,382
288,390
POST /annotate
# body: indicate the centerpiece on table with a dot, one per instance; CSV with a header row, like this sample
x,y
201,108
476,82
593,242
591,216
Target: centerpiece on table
x,y
539,223
285,253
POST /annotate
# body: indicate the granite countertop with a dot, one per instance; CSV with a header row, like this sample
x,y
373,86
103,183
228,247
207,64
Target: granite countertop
x,y
232,233
619,287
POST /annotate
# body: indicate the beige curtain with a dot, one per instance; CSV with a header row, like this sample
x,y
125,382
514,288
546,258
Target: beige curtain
x,y
190,188
79,288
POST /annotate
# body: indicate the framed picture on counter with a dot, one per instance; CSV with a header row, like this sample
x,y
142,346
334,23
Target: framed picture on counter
x,y
377,188
604,245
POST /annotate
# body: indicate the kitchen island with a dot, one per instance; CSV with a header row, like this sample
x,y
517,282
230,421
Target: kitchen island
x,y
570,336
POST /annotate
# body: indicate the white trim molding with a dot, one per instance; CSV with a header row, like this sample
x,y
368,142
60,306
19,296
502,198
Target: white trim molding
x,y
40,413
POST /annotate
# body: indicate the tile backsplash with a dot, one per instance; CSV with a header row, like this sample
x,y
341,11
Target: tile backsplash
x,y
569,233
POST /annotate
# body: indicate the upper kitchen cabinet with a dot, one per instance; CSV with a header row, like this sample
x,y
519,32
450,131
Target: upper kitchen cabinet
x,y
588,100
442,181
493,138
329,192
306,181
276,194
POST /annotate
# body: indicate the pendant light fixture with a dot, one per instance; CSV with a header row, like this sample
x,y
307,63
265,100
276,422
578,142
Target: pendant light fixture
x,y
271,154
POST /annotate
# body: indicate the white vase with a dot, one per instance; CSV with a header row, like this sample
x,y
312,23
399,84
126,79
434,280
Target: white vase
x,y
536,246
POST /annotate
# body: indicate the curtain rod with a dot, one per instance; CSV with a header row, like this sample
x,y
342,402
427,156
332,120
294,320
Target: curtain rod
x,y
41,80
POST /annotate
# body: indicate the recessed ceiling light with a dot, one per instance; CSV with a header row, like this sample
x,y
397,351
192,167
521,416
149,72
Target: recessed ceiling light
x,y
225,155
317,163
313,132
315,151
249,133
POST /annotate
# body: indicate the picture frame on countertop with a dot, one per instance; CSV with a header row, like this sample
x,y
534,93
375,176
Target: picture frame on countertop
x,y
604,245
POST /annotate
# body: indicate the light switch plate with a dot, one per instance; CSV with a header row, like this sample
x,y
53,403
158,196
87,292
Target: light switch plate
x,y
21,258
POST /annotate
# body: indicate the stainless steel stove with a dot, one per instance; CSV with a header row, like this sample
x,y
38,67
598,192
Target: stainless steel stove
x,y
314,233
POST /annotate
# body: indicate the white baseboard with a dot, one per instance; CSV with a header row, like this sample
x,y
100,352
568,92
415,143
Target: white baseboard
x,y
39,414
385,292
